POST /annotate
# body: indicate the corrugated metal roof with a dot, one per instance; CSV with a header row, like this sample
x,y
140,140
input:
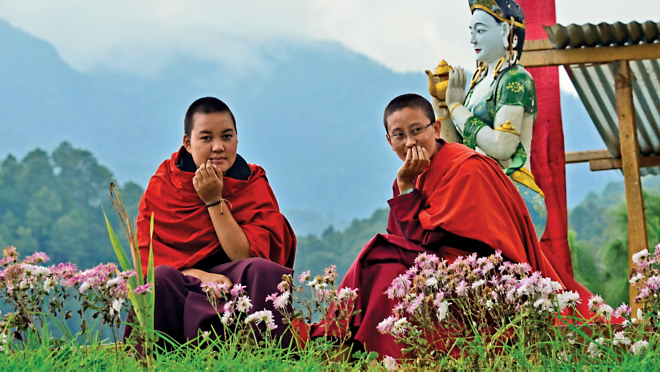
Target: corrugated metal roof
x,y
595,82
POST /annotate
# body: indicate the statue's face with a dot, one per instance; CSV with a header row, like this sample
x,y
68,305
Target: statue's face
x,y
487,37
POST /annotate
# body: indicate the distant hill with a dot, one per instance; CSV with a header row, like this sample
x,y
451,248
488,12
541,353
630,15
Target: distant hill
x,y
311,115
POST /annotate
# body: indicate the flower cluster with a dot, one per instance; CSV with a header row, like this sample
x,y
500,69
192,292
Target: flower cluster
x,y
322,302
438,301
28,287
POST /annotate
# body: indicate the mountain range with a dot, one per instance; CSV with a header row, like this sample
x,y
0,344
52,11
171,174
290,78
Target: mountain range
x,y
311,115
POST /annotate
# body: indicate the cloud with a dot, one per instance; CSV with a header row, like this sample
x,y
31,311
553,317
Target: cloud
x,y
140,37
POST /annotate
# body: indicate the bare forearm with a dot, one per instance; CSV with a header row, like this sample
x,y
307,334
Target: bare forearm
x,y
199,274
231,236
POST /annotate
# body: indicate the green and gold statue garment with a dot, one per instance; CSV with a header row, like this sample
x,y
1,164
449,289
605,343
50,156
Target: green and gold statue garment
x,y
515,87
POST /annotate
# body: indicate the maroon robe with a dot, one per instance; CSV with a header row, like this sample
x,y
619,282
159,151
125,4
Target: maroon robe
x,y
462,203
184,237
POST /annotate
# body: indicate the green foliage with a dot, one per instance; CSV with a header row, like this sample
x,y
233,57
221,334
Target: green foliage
x,y
52,203
599,239
338,248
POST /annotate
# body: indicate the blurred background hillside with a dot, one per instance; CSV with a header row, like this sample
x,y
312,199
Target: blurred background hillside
x,y
311,116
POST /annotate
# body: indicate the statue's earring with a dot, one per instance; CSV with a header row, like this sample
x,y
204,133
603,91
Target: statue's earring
x,y
513,43
498,67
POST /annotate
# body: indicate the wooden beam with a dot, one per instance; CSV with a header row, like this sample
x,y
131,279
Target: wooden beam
x,y
637,235
585,156
558,57
540,44
609,164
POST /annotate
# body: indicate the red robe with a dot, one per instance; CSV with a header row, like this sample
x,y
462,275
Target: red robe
x,y
462,203
183,230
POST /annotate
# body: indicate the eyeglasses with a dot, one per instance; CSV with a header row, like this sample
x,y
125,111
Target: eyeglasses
x,y
400,136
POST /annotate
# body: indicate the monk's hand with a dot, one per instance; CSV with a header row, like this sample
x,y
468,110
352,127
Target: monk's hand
x,y
218,278
208,182
417,160
456,87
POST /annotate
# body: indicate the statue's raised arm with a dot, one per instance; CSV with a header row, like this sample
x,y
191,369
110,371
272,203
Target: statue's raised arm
x,y
496,116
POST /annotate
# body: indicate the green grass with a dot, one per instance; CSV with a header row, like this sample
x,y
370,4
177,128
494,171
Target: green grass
x,y
237,354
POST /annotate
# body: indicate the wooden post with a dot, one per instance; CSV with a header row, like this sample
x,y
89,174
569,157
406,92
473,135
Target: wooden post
x,y
637,236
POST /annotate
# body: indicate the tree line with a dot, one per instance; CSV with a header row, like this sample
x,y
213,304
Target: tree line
x,y
54,203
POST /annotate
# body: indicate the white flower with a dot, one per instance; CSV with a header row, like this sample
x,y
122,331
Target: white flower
x,y
48,284
605,310
265,316
312,282
389,363
113,281
636,278
400,326
442,310
620,338
116,306
226,318
567,298
281,301
478,283
639,346
347,293
243,304
23,284
544,303
593,349
489,304
431,282
640,256
84,286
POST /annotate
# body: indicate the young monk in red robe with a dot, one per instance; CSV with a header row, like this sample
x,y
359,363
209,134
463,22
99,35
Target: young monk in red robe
x,y
216,220
449,201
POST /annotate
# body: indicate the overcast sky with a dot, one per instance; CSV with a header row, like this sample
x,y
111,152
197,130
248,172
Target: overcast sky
x,y
138,36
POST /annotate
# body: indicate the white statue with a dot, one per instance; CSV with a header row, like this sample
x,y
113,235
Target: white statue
x,y
497,115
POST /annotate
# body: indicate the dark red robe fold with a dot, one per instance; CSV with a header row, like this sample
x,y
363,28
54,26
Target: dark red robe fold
x,y
183,230
463,203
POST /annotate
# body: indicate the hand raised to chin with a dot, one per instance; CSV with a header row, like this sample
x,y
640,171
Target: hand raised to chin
x,y
208,182
417,160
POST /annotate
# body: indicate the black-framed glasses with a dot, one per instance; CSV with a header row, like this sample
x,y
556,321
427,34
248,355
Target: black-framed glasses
x,y
400,136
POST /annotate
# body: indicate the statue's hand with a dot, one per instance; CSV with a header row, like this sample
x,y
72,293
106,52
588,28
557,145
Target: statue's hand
x,y
456,88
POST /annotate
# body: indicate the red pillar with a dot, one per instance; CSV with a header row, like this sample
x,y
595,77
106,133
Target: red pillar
x,y
548,159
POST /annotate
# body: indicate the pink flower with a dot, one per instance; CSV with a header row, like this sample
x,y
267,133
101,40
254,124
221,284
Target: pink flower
x,y
271,297
389,363
414,305
281,301
385,326
7,261
330,273
623,310
63,271
461,289
283,286
36,257
143,288
237,289
243,304
438,298
304,276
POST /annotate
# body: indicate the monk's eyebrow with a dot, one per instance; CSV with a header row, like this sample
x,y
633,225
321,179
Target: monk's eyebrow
x,y
205,132
228,130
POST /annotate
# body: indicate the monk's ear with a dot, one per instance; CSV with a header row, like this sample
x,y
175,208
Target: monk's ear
x,y
186,142
436,129
389,140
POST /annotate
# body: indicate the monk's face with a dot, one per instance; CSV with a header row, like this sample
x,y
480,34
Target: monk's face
x,y
416,129
213,137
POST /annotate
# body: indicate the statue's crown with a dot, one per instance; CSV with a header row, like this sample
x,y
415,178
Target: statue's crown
x,y
503,10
